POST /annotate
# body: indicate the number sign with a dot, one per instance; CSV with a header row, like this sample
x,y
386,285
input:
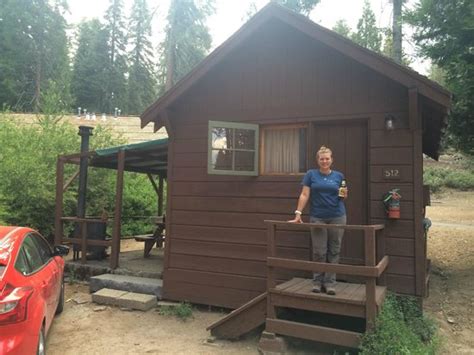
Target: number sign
x,y
391,174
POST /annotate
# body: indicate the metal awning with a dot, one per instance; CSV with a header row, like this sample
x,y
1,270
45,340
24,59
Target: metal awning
x,y
149,157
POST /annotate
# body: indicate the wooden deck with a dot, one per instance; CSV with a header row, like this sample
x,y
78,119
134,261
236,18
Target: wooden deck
x,y
349,300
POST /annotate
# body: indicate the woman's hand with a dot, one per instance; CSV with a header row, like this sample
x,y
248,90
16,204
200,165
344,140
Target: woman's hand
x,y
345,192
297,219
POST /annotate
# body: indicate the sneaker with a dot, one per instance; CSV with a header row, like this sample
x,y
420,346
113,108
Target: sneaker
x,y
330,290
316,288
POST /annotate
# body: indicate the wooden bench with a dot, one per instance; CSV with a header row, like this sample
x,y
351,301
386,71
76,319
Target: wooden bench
x,y
150,240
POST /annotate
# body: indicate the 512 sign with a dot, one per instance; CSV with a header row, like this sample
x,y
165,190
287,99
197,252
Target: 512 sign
x,y
391,174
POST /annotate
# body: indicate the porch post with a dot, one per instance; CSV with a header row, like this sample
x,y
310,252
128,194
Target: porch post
x,y
58,225
370,301
117,226
160,196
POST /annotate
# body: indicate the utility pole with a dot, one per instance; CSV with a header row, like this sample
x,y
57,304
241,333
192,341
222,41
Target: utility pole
x,y
397,30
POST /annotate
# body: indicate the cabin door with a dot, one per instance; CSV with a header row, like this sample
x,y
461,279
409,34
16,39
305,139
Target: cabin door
x,y
348,142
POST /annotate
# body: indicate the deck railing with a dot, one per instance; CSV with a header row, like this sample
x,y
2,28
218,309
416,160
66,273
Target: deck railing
x,y
371,271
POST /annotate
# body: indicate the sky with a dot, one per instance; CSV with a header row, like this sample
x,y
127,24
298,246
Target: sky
x,y
231,14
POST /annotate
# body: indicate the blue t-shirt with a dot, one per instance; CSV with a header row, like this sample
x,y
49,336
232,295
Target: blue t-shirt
x,y
324,199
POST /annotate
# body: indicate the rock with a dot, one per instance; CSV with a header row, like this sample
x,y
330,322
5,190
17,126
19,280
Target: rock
x,y
450,320
167,304
81,299
99,309
210,343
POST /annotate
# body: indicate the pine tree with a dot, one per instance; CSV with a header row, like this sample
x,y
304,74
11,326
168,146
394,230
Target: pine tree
x,y
437,74
187,39
397,31
251,10
444,32
33,47
368,35
116,88
89,77
342,28
301,6
142,82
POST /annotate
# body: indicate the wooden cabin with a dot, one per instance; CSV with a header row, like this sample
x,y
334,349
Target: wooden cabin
x,y
243,129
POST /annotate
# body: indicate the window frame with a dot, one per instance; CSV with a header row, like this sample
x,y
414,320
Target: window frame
x,y
23,245
282,127
233,125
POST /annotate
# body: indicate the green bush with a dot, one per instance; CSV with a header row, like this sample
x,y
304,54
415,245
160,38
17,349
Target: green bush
x,y
401,328
28,157
439,178
140,205
182,311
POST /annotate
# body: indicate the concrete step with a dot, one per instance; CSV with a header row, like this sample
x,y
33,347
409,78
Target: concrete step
x,y
135,284
124,299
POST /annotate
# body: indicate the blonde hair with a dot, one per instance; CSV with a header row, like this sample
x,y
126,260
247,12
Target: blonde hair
x,y
323,150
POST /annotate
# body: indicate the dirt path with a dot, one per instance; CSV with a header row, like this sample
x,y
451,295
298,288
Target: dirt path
x,y
451,249
88,329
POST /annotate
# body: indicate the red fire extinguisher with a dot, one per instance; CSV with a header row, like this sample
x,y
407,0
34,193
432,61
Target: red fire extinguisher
x,y
391,201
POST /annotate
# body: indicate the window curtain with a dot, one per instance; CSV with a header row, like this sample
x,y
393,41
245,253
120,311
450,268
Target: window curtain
x,y
281,151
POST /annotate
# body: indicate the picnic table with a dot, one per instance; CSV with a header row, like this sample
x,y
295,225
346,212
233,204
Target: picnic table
x,y
158,237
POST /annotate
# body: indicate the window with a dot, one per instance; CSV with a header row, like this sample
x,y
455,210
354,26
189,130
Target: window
x,y
21,265
284,150
32,255
43,248
232,148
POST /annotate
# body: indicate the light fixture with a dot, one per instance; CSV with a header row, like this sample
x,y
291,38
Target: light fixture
x,y
389,122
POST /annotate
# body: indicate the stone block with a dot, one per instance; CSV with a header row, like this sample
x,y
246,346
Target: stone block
x,y
107,296
270,344
135,284
137,301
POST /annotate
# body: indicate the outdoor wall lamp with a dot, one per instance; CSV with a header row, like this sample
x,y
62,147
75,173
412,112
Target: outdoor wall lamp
x,y
389,122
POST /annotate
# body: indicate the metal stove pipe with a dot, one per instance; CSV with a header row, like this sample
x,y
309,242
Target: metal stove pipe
x,y
85,132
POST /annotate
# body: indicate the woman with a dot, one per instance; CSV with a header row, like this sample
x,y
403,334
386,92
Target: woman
x,y
324,189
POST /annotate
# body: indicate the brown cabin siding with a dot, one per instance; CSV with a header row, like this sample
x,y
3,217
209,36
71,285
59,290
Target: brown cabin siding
x,y
217,239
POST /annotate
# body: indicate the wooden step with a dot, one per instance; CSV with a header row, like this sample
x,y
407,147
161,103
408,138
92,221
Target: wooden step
x,y
242,320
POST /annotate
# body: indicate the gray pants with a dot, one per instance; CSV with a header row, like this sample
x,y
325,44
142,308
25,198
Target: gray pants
x,y
326,245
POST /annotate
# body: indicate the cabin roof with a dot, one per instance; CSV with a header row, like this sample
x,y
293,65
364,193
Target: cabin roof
x,y
157,112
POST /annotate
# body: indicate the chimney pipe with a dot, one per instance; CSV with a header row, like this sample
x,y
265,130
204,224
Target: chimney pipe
x,y
85,132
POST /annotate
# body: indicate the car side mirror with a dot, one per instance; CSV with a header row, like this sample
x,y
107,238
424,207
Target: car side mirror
x,y
60,250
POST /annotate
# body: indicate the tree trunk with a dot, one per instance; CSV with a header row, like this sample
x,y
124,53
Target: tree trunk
x,y
397,30
170,50
170,62
38,74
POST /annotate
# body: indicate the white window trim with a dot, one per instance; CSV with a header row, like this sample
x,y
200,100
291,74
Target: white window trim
x,y
235,125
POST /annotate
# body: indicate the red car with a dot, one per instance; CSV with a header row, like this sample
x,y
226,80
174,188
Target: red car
x,y
31,289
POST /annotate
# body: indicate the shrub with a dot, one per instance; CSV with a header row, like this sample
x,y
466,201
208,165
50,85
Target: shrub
x,y
401,328
28,159
182,311
439,178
